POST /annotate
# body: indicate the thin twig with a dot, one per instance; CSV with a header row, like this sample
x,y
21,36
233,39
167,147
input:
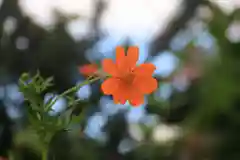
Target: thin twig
x,y
73,89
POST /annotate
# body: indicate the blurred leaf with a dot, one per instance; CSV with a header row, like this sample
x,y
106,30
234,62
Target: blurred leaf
x,y
29,138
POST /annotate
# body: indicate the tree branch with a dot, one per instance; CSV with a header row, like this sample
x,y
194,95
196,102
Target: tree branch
x,y
162,41
100,7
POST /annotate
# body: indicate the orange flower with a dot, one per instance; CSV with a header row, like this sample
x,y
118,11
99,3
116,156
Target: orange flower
x,y
128,81
88,69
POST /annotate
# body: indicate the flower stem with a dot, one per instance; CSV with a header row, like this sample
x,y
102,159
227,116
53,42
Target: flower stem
x,y
73,89
45,154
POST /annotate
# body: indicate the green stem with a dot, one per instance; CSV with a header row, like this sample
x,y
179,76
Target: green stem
x,y
73,89
45,154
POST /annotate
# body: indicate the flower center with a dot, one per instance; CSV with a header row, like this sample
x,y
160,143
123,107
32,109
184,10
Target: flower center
x,y
128,78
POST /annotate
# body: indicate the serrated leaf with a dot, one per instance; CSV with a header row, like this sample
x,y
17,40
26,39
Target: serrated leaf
x,y
49,80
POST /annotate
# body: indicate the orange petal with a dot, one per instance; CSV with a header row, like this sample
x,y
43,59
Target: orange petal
x,y
109,67
132,56
88,69
136,98
120,53
145,69
121,95
145,85
118,98
110,85
121,59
